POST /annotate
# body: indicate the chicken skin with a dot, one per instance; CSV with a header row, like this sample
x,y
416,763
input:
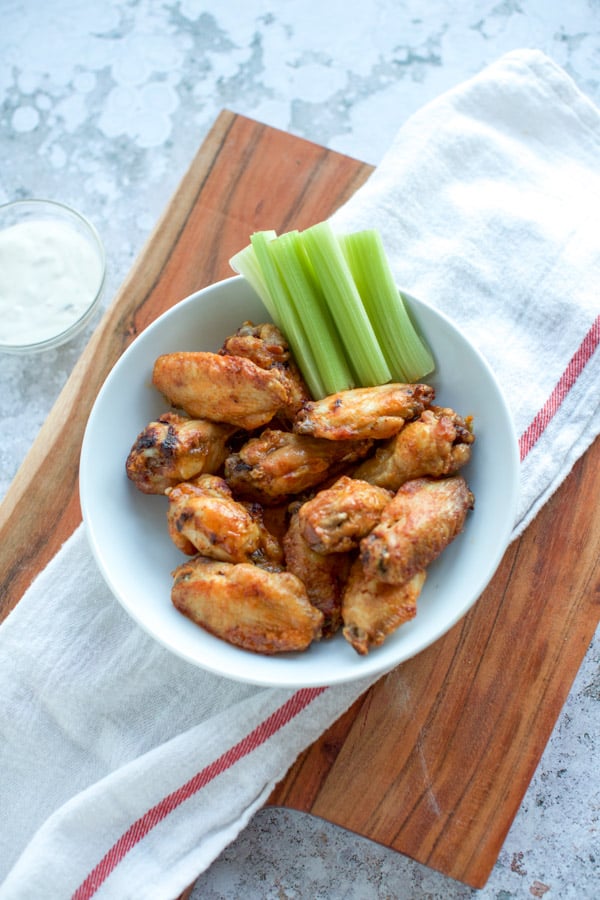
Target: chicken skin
x,y
372,609
256,609
278,464
173,449
299,519
437,443
336,518
425,515
203,517
266,346
324,576
220,388
374,412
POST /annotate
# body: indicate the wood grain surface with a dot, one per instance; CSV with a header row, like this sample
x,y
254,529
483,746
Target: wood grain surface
x,y
434,760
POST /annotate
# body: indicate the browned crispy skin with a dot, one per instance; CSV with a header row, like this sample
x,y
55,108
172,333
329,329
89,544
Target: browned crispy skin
x,y
373,412
220,388
425,515
336,518
278,464
266,346
437,443
173,449
270,552
246,605
372,609
323,576
203,517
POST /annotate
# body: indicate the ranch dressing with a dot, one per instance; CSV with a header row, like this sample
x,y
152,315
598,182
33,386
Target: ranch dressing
x,y
49,275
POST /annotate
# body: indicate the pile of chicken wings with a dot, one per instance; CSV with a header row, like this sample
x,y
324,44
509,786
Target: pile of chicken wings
x,y
298,518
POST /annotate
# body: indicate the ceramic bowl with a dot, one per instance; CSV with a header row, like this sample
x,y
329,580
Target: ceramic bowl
x,y
127,529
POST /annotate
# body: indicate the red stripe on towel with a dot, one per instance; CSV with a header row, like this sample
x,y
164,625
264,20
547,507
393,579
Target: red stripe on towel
x,y
140,828
574,369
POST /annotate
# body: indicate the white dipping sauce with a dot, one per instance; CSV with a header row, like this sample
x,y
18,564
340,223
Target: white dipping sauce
x,y
49,275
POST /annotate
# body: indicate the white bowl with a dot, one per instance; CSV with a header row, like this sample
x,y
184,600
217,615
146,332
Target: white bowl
x,y
127,529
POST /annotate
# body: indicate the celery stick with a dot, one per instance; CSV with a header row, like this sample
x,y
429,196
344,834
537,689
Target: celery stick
x,y
245,263
289,255
285,315
406,353
344,302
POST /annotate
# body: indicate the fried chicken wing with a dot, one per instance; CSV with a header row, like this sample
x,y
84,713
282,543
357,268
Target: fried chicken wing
x,y
437,443
266,346
336,518
220,388
373,412
324,576
203,517
278,464
173,449
246,605
425,515
372,609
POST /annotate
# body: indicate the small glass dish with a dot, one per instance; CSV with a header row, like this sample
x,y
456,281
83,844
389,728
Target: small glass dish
x,y
52,271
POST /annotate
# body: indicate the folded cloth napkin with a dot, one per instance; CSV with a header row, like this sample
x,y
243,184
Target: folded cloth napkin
x,y
126,771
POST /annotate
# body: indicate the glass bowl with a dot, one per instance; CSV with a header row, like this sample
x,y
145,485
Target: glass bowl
x,y
52,270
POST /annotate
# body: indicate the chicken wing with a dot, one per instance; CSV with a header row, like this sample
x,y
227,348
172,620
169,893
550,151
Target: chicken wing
x,y
336,518
373,412
372,609
246,605
425,515
324,576
266,346
220,388
437,443
203,517
278,464
173,449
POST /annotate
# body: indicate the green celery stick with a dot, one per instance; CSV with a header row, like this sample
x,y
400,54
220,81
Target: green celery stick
x,y
288,252
345,304
406,353
246,264
285,315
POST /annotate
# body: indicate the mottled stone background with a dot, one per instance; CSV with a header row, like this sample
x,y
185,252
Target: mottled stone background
x,y
103,106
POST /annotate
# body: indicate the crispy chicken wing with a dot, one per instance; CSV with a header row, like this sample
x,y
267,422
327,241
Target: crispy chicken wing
x,y
425,515
373,412
266,346
220,388
324,576
336,518
437,443
203,517
173,449
246,605
372,609
278,464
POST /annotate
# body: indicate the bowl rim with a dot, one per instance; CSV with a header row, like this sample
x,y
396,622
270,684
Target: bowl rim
x,y
64,211
376,666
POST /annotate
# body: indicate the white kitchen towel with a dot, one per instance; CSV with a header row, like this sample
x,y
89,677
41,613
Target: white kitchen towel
x,y
488,203
125,771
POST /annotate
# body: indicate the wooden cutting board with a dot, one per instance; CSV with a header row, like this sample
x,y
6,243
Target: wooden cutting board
x,y
434,760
